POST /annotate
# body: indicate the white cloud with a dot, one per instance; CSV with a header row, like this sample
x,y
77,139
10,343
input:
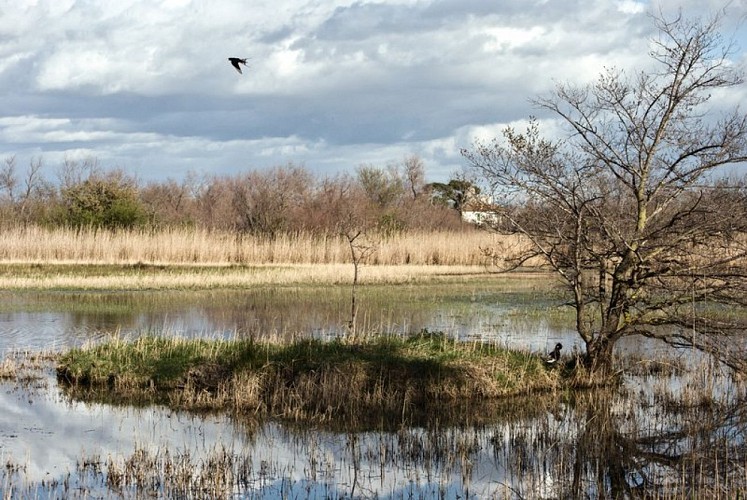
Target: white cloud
x,y
507,38
631,7
146,85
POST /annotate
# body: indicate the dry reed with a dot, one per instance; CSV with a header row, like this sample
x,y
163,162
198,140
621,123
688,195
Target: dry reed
x,y
181,278
196,246
8,369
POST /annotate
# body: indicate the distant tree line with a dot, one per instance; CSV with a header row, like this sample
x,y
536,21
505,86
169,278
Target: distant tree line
x,y
283,199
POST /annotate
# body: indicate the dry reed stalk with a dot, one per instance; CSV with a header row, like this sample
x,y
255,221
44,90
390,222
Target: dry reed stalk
x,y
24,366
57,277
8,369
197,246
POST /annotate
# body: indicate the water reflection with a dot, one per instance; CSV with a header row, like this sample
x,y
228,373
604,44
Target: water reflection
x,y
531,319
661,439
670,435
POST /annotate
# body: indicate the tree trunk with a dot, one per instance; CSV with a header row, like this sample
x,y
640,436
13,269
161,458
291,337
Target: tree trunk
x,y
599,356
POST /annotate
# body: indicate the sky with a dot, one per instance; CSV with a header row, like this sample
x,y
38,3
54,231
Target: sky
x,y
145,85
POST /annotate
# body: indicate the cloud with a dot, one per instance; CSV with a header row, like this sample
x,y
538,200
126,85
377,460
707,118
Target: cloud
x,y
146,85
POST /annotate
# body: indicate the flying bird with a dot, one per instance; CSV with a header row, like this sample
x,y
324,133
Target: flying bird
x,y
235,61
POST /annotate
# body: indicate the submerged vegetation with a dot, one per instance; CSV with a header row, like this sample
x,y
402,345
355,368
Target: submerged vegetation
x,y
306,379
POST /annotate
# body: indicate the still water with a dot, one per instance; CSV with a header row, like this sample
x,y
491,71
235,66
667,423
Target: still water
x,y
555,445
532,318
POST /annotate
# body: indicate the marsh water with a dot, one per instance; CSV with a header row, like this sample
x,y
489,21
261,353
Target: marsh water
x,y
531,316
668,429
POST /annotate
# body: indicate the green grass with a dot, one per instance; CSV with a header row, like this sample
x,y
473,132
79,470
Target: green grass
x,y
147,360
304,379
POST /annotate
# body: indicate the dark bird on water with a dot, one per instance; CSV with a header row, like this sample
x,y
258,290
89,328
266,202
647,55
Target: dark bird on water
x,y
554,355
235,61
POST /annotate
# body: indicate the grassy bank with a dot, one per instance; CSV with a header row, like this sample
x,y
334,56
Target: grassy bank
x,y
303,380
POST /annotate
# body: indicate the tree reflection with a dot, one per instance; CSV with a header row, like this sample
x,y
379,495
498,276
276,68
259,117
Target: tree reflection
x,y
626,450
609,443
662,437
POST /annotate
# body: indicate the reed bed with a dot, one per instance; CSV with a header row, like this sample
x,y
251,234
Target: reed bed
x,y
202,247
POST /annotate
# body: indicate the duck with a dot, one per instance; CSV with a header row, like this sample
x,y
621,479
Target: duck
x,y
554,355
235,61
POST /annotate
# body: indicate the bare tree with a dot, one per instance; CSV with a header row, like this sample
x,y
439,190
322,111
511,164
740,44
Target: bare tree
x,y
20,193
625,209
9,177
73,172
33,183
361,248
414,175
168,203
322,211
265,202
358,226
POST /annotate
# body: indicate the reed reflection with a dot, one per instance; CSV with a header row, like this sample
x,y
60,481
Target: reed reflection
x,y
468,311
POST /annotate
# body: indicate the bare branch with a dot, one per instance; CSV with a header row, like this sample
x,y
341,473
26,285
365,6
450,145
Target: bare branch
x,y
625,209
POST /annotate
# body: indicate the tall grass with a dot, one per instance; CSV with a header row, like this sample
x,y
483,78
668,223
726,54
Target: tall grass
x,y
202,247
